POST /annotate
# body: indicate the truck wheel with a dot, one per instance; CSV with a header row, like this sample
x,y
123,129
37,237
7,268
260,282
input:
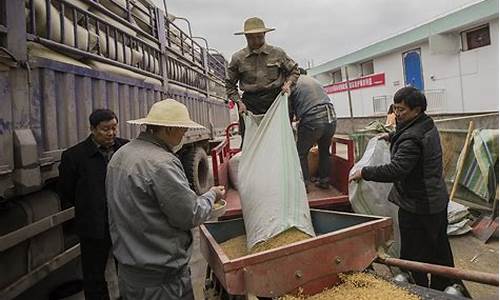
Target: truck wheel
x,y
195,162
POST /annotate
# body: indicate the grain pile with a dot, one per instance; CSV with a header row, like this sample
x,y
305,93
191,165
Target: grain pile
x,y
237,247
360,286
287,237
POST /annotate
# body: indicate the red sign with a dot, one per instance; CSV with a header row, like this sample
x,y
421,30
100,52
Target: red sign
x,y
358,83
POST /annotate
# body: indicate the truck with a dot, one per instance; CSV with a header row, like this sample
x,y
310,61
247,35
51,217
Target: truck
x,y
60,60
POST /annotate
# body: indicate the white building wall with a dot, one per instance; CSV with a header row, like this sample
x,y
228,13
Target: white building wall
x,y
466,81
480,75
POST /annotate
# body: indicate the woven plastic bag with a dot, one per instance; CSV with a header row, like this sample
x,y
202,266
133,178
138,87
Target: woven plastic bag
x,y
369,197
271,187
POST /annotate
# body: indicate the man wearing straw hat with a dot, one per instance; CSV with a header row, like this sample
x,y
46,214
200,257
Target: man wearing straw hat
x,y
152,208
260,70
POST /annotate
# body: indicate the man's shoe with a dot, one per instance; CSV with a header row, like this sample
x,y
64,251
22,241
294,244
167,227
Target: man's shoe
x,y
323,185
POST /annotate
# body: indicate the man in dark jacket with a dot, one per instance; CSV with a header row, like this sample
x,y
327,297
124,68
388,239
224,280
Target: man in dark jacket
x,y
82,174
419,189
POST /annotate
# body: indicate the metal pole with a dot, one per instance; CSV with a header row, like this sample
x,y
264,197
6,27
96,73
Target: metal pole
x,y
449,272
204,39
348,92
350,99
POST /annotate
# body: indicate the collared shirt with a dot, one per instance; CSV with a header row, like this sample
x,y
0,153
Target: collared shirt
x,y
151,207
263,69
107,153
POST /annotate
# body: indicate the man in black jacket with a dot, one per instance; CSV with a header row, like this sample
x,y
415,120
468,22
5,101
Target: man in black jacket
x,y
82,175
416,169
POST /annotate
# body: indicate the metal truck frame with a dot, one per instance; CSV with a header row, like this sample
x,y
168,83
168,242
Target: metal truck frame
x,y
136,56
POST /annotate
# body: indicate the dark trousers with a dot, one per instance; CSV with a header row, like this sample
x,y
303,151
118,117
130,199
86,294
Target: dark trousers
x,y
424,239
94,254
309,133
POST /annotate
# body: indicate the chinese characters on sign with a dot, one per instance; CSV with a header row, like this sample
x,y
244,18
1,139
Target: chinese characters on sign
x,y
359,83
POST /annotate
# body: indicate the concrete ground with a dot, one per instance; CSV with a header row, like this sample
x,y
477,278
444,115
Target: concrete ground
x,y
472,254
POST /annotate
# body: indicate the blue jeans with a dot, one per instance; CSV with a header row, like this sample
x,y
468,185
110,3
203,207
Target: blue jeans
x,y
309,133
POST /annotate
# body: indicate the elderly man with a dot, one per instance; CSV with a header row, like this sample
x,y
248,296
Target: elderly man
x,y
416,169
312,107
82,175
152,208
260,70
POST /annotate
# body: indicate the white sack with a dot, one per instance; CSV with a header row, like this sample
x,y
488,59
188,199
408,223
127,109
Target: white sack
x,y
234,164
273,195
369,197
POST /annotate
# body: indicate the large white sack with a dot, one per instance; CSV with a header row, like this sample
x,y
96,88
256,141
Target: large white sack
x,y
272,191
234,164
369,197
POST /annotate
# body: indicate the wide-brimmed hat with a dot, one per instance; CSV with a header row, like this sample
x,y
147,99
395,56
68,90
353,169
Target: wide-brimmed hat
x,y
254,25
168,113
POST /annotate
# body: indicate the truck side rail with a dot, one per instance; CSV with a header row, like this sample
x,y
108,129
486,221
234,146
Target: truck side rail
x,y
339,177
221,156
158,49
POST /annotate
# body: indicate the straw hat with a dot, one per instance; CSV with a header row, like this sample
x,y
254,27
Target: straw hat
x,y
168,113
254,25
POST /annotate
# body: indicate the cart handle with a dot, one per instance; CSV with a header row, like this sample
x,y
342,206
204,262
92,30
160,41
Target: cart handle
x,y
449,272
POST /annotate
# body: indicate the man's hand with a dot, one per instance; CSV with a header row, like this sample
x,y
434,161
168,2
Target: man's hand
x,y
242,108
220,191
356,176
286,87
383,136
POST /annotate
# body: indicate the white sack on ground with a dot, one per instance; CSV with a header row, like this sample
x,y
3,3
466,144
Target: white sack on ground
x,y
273,196
369,197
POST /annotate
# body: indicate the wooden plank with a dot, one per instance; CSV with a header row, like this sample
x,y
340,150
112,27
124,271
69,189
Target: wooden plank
x,y
66,110
16,29
99,93
50,115
6,140
36,116
83,105
462,161
124,111
112,95
30,279
135,102
18,236
143,102
150,98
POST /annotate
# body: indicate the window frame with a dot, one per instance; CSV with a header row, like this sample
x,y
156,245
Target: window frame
x,y
465,41
362,69
338,71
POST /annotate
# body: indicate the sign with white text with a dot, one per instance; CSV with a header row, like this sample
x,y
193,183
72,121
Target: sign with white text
x,y
358,83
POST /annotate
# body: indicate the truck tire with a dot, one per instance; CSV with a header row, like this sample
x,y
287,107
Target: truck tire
x,y
195,163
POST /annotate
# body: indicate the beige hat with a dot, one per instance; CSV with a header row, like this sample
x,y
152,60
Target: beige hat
x,y
168,113
254,25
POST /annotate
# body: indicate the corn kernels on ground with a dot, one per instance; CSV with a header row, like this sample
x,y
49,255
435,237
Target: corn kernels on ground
x,y
360,286
237,247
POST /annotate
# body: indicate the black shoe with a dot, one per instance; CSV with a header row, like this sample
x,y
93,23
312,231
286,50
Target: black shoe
x,y
323,185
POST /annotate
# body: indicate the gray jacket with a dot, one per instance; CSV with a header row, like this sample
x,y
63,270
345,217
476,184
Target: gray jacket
x,y
308,95
152,208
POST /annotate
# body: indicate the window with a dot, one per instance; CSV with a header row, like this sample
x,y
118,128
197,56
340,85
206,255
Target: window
x,y
337,76
367,68
476,37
